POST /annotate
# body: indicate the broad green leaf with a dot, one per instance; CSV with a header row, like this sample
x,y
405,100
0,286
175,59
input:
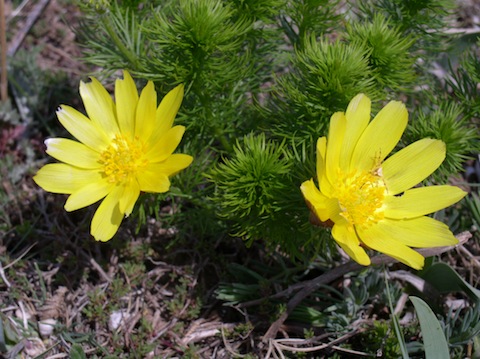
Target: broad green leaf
x,y
76,352
445,279
434,341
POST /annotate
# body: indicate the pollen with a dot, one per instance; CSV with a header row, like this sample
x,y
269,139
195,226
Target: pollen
x,y
123,159
360,196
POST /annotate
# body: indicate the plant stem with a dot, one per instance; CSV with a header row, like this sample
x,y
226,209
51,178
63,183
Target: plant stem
x,y
118,42
206,102
223,140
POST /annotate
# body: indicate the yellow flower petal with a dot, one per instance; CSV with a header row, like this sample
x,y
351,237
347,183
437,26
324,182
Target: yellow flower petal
x,y
384,243
129,197
145,114
312,194
421,232
314,198
346,237
358,117
336,134
72,152
321,151
173,164
380,137
412,164
322,179
82,128
167,110
418,202
62,178
154,182
87,195
108,217
99,106
126,97
324,208
166,144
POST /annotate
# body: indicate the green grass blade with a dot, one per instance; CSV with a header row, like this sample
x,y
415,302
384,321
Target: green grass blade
x,y
396,324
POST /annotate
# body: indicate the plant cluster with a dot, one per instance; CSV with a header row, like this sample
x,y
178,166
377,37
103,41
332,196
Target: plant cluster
x,y
255,103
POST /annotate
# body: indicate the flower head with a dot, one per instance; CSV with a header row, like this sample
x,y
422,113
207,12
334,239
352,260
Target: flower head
x,y
369,199
123,148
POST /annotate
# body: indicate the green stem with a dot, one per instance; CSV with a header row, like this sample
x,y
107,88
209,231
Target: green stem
x,y
393,316
217,131
118,42
223,140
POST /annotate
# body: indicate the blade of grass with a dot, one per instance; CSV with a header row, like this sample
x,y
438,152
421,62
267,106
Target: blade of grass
x,y
396,323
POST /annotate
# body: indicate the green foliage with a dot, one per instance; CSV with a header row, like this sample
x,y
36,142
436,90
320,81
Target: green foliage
x,y
388,52
324,79
462,325
251,185
77,352
472,65
264,10
381,340
202,35
464,82
95,310
445,279
276,70
425,18
181,306
116,39
306,17
473,205
447,123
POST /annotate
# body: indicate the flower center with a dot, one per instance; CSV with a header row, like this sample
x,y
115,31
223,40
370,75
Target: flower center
x,y
360,196
123,159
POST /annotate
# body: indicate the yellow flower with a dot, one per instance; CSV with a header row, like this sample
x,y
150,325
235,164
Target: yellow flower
x,y
368,199
123,148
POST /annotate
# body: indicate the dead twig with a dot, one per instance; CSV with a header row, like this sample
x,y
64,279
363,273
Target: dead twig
x,y
292,345
472,258
31,19
100,270
21,256
353,352
4,277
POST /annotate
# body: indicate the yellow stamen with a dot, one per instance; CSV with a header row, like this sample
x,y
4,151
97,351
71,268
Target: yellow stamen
x,y
360,196
123,159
